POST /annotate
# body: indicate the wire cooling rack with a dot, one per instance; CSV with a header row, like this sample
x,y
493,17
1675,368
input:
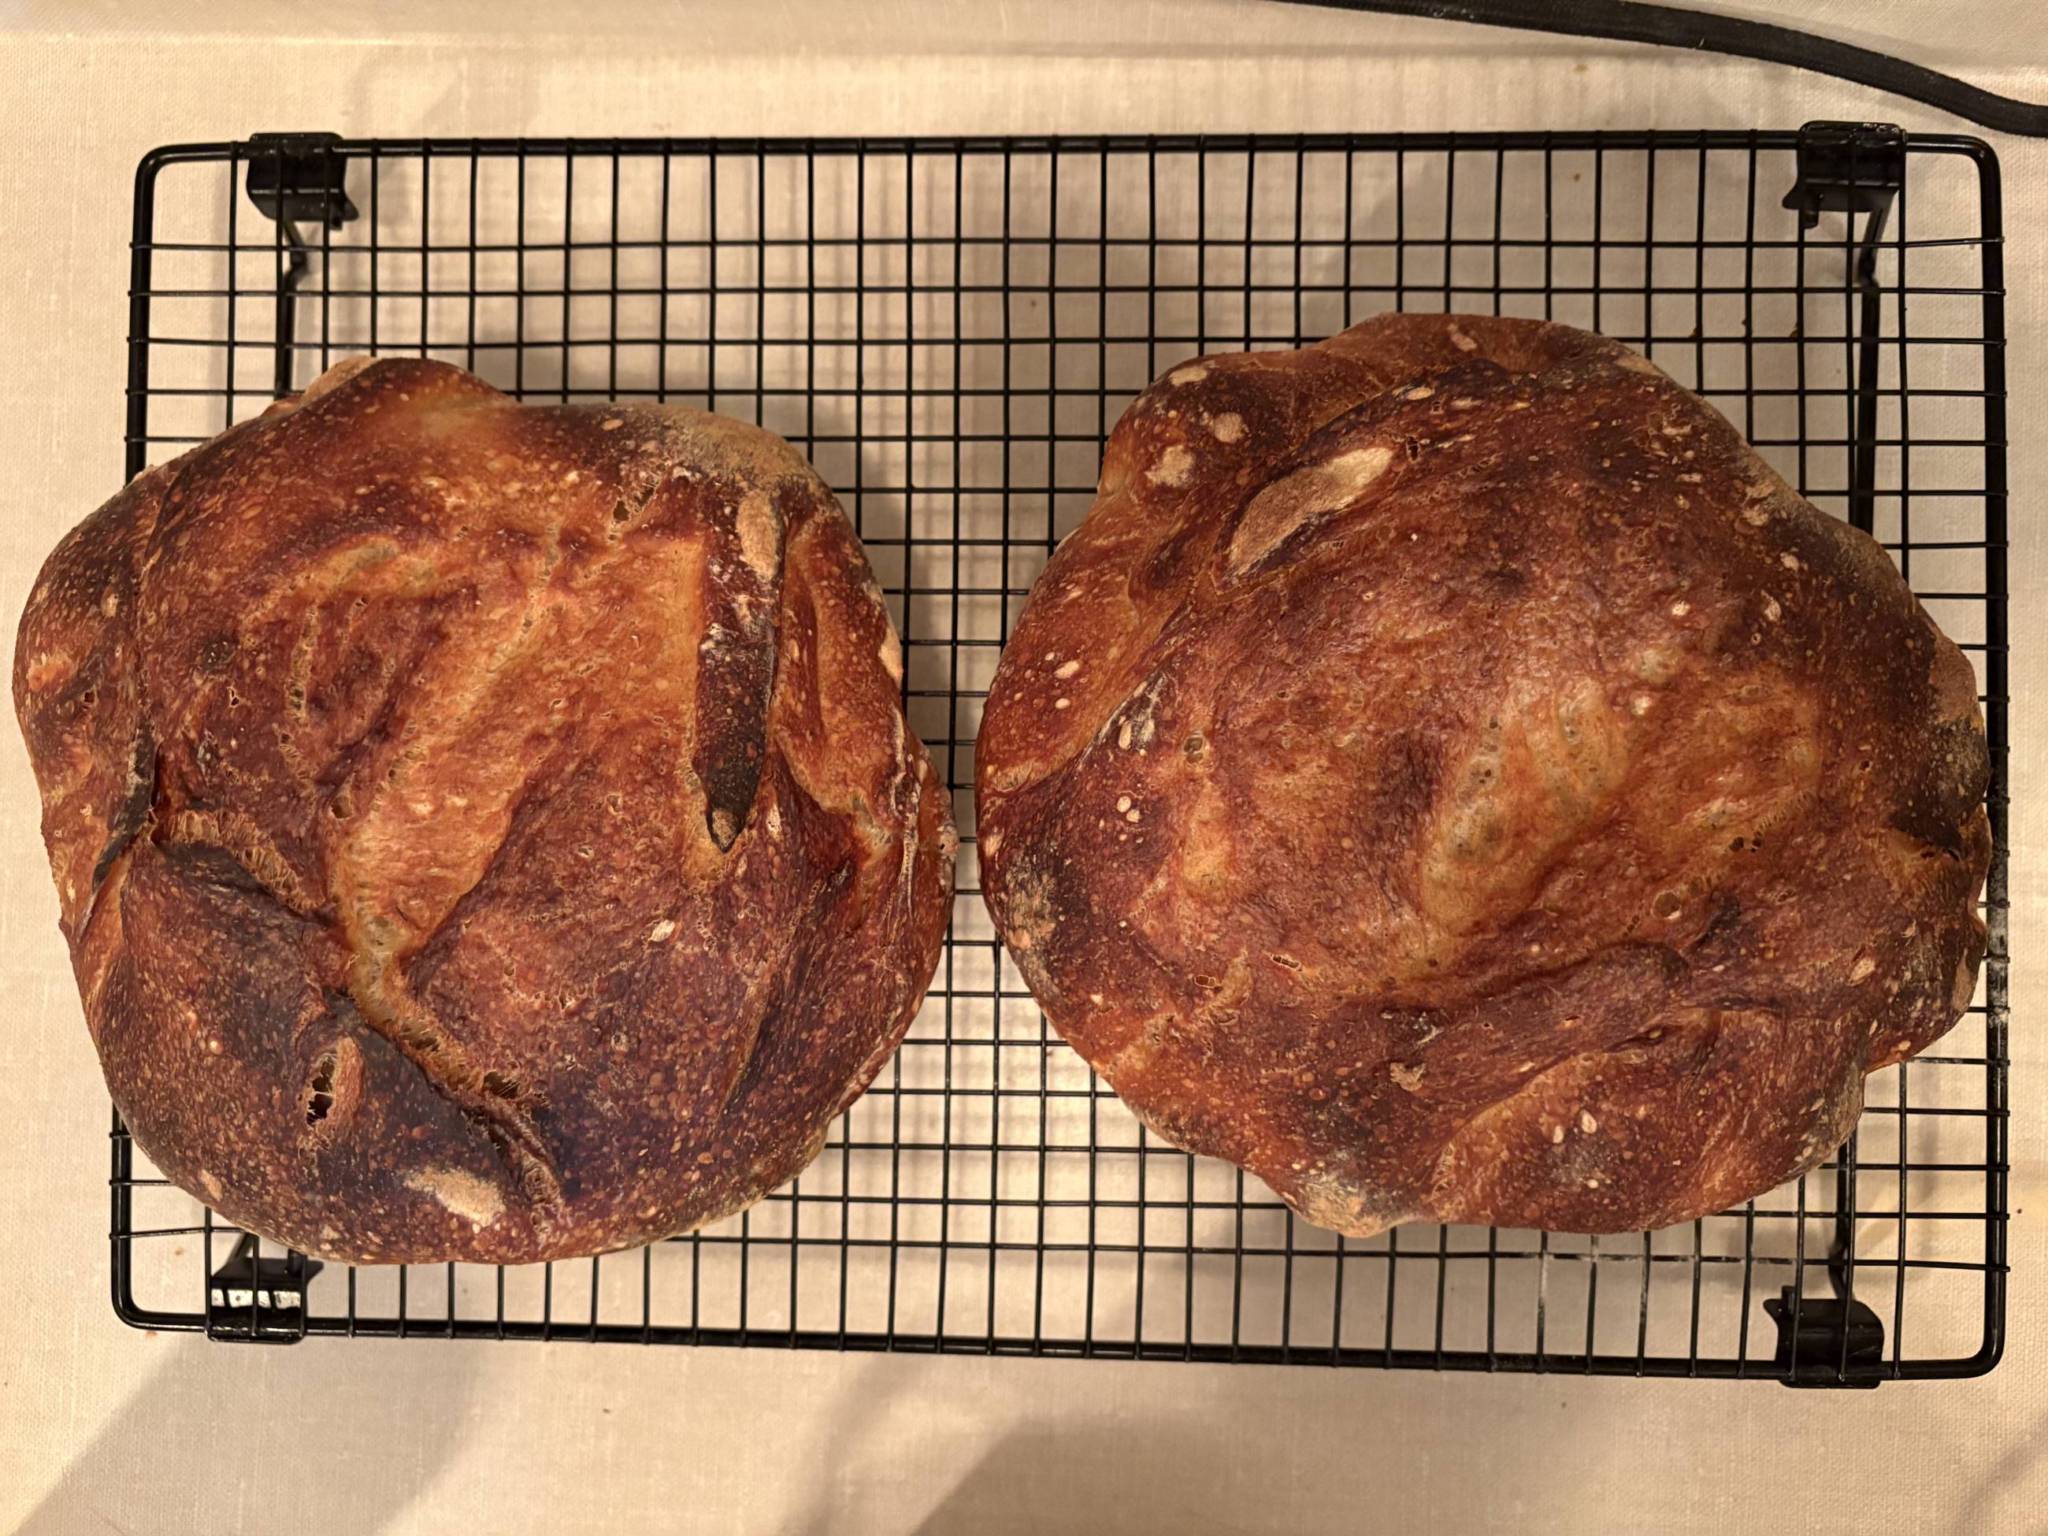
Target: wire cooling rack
x,y
949,328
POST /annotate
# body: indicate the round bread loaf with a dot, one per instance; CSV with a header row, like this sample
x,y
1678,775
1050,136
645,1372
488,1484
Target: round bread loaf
x,y
482,832
1449,775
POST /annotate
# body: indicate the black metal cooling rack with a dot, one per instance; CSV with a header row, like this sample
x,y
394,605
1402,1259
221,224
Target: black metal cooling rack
x,y
949,328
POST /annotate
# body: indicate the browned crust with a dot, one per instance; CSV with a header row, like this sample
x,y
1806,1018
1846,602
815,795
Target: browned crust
x,y
482,832
1451,776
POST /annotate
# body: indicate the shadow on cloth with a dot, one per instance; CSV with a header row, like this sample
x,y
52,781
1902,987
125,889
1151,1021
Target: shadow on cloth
x,y
231,1408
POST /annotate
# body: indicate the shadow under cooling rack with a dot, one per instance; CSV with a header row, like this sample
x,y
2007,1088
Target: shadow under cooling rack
x,y
949,328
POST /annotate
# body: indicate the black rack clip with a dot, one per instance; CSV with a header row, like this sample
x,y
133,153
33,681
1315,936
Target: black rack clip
x,y
1826,1341
254,1300
1848,168
1831,1341
296,178
1854,168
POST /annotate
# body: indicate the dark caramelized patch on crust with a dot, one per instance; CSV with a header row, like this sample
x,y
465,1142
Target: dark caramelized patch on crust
x,y
482,832
1451,776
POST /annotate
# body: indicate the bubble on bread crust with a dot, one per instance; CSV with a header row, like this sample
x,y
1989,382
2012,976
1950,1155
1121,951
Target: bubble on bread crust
x,y
1172,468
760,531
1139,724
460,1193
1066,670
49,669
1657,664
1294,500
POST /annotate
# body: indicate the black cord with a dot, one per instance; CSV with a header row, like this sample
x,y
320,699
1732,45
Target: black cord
x,y
1674,27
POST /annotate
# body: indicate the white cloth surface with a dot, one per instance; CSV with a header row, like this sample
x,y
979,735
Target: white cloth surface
x,y
104,1429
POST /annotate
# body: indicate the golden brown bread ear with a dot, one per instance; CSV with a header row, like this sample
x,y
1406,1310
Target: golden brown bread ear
x,y
1451,776
482,832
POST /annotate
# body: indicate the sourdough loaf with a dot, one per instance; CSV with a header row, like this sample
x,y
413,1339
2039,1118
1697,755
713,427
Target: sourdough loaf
x,y
1449,775
482,832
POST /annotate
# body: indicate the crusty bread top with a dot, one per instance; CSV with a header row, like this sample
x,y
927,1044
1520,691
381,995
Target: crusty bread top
x,y
1449,774
482,831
